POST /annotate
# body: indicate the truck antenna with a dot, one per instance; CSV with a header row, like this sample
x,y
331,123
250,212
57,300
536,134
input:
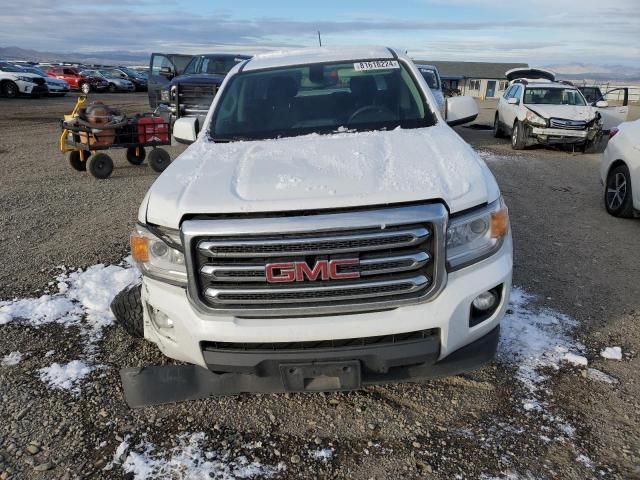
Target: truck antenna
x,y
319,38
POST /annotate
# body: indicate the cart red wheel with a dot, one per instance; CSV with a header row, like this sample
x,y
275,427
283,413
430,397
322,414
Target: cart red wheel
x,y
136,155
159,159
100,165
76,162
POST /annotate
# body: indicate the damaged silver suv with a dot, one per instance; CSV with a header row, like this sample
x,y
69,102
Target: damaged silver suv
x,y
536,109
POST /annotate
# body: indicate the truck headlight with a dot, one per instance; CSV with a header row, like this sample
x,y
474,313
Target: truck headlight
x,y
156,257
25,79
477,235
535,119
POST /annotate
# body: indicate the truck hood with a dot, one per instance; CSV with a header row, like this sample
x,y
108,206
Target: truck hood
x,y
316,172
569,112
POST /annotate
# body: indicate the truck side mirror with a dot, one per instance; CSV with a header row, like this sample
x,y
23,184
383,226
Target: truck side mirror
x,y
185,130
461,110
602,104
512,101
166,72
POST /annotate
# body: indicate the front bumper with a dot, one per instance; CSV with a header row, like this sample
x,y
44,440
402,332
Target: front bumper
x,y
447,314
29,88
549,136
176,383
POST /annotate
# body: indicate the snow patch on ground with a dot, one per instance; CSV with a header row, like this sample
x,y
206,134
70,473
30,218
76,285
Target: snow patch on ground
x,y
325,454
189,460
83,300
600,376
612,353
575,359
65,376
85,293
532,339
11,359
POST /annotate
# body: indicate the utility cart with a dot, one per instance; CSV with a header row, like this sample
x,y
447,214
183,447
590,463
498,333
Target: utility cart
x,y
88,131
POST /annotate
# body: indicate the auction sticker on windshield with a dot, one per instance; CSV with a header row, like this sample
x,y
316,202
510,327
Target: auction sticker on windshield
x,y
376,65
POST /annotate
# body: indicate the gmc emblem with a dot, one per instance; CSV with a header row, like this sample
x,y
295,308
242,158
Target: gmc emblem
x,y
300,271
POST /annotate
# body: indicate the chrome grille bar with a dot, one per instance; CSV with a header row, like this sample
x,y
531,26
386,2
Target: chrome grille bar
x,y
367,267
306,294
316,245
567,124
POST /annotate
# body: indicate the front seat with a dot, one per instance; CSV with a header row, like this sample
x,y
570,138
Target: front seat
x,y
363,91
281,91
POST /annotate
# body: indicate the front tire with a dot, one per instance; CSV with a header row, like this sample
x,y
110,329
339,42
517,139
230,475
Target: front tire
x,y
85,88
497,131
10,89
113,88
100,165
618,197
127,308
517,136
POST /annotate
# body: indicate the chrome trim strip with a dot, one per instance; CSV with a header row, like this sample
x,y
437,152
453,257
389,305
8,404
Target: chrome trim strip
x,y
412,261
434,213
417,235
413,283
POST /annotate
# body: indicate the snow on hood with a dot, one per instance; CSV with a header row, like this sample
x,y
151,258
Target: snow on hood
x,y
569,112
319,172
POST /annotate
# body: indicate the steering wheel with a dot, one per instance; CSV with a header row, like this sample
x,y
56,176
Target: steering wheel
x,y
368,109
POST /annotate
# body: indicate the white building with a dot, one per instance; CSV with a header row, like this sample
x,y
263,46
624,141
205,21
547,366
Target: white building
x,y
477,79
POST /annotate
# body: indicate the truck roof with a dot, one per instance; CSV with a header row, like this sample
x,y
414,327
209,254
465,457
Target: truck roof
x,y
283,58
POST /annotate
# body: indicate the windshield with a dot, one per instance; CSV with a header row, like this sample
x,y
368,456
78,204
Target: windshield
x,y
430,77
108,74
319,98
35,70
212,65
130,72
90,73
7,67
553,96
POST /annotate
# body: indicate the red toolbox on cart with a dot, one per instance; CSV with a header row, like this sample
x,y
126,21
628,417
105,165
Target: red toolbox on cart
x,y
153,129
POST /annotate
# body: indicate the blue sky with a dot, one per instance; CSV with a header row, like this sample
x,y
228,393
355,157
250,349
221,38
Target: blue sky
x,y
540,32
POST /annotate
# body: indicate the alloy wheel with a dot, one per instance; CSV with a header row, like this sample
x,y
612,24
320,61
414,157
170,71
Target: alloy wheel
x,y
616,190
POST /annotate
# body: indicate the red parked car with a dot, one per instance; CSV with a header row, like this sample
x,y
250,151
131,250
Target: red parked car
x,y
78,81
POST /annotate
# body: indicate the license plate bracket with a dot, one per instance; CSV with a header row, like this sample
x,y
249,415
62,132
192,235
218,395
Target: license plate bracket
x,y
321,376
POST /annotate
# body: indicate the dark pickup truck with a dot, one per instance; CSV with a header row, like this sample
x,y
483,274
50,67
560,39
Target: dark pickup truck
x,y
186,85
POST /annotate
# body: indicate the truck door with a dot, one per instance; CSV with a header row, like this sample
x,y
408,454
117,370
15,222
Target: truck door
x,y
162,68
618,109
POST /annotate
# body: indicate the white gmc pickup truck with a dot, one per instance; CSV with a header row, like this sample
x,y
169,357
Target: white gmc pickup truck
x,y
327,229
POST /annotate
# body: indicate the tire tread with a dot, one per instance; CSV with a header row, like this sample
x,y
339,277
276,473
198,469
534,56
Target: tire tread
x,y
127,308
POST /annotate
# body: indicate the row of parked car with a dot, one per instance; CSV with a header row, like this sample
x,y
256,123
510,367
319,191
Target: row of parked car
x,y
58,80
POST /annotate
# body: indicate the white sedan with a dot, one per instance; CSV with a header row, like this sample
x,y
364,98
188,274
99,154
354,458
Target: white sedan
x,y
620,170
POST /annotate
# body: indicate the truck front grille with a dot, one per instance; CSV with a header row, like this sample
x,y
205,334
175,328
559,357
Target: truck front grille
x,y
195,99
398,252
567,124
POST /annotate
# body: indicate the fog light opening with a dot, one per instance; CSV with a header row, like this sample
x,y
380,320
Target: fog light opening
x,y
160,319
485,305
485,301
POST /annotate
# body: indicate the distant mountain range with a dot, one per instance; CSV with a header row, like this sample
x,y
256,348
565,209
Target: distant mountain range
x,y
568,71
107,57
580,71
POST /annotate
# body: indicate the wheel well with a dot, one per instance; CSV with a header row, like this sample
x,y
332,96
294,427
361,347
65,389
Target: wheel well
x,y
615,164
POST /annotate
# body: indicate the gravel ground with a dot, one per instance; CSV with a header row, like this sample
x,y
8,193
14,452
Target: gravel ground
x,y
579,263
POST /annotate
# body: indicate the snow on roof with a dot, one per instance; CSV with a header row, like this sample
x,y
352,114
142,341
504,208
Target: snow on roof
x,y
301,56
